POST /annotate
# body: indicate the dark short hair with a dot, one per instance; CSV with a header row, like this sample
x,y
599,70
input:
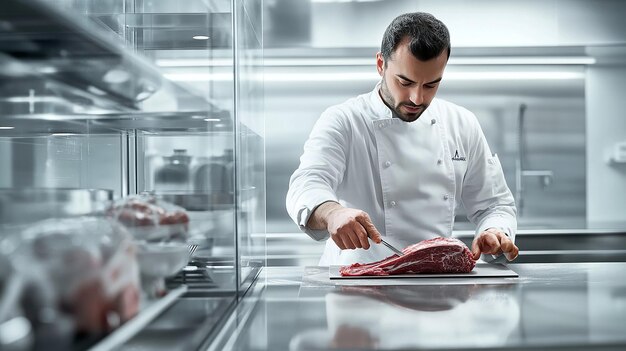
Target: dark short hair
x,y
428,36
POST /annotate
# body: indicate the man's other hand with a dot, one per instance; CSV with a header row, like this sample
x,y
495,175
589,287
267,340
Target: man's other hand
x,y
494,242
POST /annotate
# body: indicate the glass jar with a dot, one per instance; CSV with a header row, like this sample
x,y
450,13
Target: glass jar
x,y
174,174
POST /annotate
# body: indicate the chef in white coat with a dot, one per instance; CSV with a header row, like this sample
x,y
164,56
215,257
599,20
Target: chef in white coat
x,y
398,162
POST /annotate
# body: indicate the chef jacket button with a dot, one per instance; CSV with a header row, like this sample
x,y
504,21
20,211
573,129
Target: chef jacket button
x,y
446,197
381,125
387,163
433,121
439,161
392,204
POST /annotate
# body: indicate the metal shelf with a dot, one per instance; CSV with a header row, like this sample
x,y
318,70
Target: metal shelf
x,y
31,125
173,31
54,60
139,322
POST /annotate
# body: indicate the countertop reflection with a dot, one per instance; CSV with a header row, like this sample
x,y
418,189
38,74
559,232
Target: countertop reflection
x,y
580,305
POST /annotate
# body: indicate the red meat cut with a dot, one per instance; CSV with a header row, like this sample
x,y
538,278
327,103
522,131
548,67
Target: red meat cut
x,y
437,255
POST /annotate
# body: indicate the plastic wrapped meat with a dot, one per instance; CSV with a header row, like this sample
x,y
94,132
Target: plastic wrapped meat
x,y
149,218
437,255
90,264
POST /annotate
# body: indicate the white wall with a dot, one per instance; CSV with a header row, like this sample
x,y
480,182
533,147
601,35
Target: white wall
x,y
606,125
477,23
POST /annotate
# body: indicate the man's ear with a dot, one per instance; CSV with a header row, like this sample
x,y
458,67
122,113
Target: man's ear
x,y
380,63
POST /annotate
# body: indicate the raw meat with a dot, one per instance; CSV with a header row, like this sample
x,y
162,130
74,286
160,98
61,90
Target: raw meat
x,y
151,219
88,264
437,255
145,210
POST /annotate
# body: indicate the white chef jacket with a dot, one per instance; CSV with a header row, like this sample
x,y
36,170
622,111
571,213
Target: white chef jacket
x,y
409,177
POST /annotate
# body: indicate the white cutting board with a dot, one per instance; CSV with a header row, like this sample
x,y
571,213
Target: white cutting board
x,y
482,270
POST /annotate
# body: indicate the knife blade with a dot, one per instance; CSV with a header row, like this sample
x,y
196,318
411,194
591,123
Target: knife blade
x,y
391,247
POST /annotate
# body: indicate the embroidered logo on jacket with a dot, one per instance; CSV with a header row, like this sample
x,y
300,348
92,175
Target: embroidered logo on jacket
x,y
456,157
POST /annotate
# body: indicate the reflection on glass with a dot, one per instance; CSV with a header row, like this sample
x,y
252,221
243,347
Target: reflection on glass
x,y
415,316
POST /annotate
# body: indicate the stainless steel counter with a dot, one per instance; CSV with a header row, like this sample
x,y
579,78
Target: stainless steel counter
x,y
550,306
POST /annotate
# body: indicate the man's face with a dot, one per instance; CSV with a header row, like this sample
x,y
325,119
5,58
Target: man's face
x,y
408,84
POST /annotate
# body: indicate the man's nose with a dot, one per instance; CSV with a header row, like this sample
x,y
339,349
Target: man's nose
x,y
417,96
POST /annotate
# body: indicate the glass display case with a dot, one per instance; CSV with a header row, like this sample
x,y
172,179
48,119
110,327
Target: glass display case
x,y
106,101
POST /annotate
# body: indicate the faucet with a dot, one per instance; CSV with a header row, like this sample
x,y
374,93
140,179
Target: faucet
x,y
545,176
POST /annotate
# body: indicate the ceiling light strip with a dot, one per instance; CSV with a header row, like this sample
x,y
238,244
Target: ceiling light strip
x,y
356,61
366,76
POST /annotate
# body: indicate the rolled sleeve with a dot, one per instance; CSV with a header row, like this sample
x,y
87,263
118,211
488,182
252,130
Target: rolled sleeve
x,y
307,205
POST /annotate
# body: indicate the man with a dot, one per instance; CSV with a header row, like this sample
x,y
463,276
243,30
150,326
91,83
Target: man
x,y
397,161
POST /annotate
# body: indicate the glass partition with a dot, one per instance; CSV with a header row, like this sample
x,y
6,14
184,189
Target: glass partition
x,y
250,136
159,99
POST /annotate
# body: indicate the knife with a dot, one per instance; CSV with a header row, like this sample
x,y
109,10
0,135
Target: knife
x,y
391,247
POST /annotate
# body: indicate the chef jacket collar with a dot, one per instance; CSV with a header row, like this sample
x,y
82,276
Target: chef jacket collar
x,y
382,111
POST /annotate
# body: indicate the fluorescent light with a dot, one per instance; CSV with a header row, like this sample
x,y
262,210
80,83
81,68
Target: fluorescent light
x,y
143,95
373,76
63,134
360,61
199,77
322,77
520,60
354,61
195,62
340,1
47,70
200,37
277,62
116,76
452,76
520,75
96,90
205,118
274,77
6,128
33,99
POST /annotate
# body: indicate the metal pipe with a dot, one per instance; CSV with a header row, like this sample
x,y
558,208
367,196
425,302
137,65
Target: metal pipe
x,y
519,162
546,176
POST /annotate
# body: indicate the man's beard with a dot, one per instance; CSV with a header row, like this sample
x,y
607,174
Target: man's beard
x,y
396,108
